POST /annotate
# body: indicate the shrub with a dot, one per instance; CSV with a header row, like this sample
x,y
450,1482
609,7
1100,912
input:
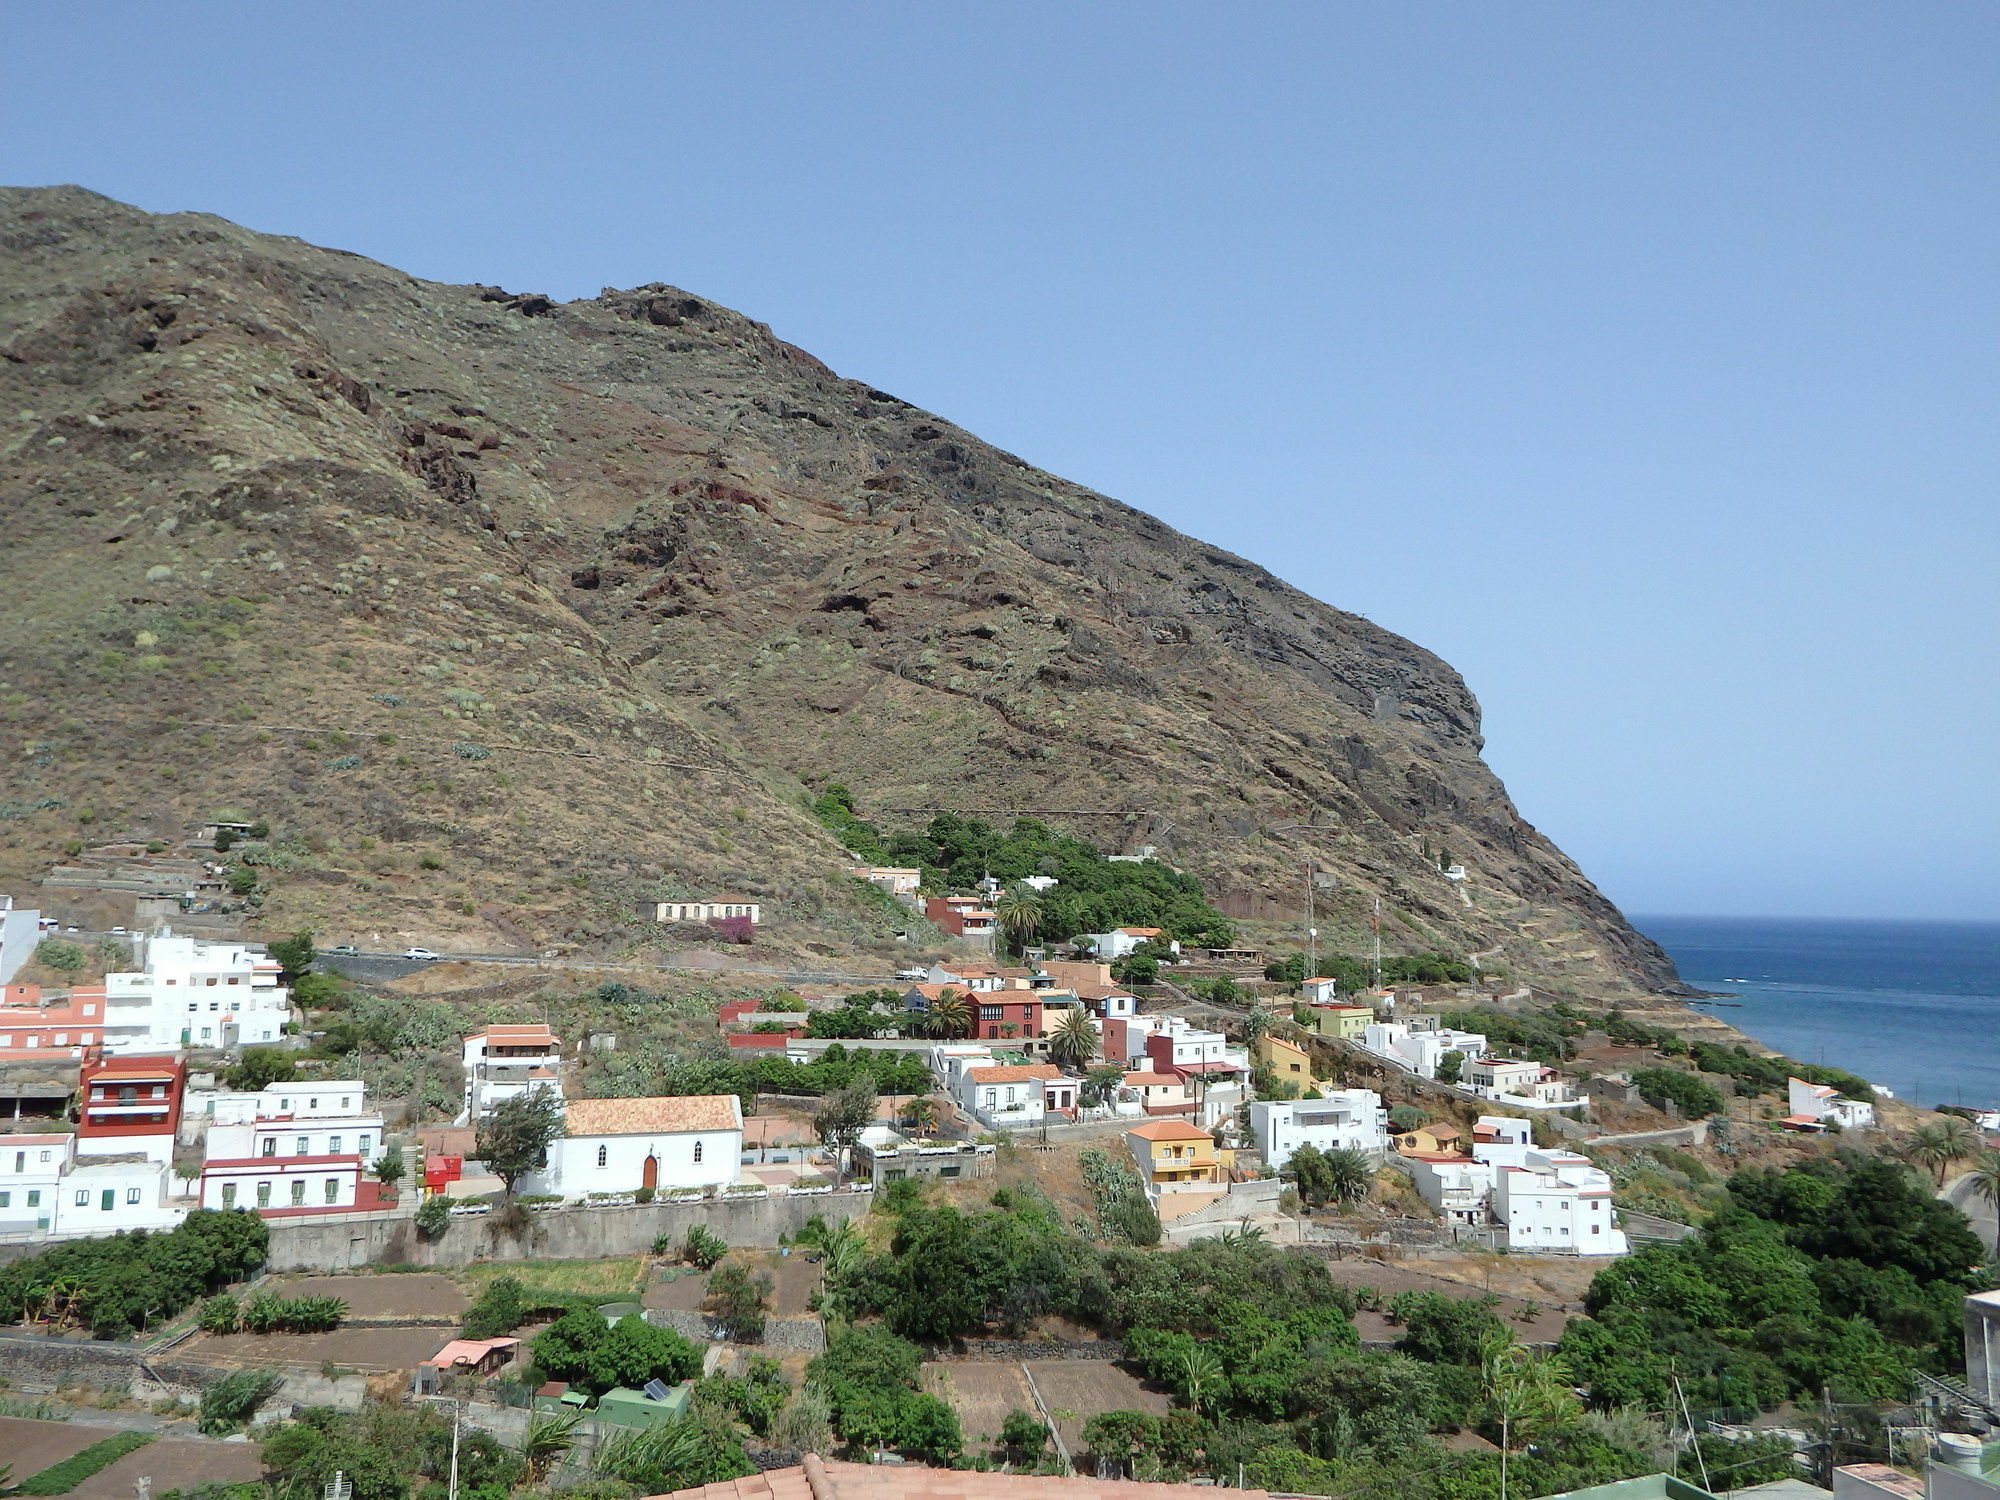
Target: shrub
x,y
234,1399
218,1314
54,953
736,1301
433,1217
61,1478
1694,1096
703,1247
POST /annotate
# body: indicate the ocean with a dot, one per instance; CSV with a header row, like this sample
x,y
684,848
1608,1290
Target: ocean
x,y
1912,1006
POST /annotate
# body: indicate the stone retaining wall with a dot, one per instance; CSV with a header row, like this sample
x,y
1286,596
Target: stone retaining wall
x,y
307,1244
1015,1351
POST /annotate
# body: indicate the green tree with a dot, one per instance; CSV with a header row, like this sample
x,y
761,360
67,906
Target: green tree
x,y
1693,1095
1338,1174
1450,1065
549,1436
260,1068
1074,1041
736,1299
581,1348
389,1167
1023,1435
296,954
433,1216
514,1138
703,1247
842,1116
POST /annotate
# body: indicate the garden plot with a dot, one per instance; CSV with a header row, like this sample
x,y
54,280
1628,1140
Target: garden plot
x,y
982,1393
412,1295
353,1348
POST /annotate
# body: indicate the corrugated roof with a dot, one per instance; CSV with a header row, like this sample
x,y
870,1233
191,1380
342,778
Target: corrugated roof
x,y
654,1116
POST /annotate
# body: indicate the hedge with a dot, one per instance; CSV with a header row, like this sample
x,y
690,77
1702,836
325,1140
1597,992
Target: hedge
x,y
60,1479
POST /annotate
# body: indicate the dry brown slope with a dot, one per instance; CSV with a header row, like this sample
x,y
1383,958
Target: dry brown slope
x,y
642,521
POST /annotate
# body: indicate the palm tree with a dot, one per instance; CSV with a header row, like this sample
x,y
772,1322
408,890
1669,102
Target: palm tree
x,y
1931,1147
1960,1135
1201,1377
1020,916
1255,1025
1074,1041
548,1437
920,1114
1986,1178
950,1015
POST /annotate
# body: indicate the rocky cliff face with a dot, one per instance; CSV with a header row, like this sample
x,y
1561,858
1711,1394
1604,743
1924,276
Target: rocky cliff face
x,y
573,599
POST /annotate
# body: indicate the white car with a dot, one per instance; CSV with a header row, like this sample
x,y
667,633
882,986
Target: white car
x,y
422,954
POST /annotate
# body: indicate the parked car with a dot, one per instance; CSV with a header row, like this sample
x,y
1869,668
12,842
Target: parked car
x,y
911,973
423,954
343,950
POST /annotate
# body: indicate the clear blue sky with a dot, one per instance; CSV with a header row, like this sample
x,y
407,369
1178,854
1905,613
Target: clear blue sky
x,y
1639,359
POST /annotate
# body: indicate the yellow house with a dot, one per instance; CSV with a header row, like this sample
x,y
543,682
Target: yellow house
x,y
1172,1154
1342,1022
1286,1060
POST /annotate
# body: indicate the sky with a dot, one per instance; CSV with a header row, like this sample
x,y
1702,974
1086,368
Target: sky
x,y
1639,360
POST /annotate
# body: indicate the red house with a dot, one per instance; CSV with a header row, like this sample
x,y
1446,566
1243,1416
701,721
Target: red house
x,y
1006,1015
962,916
130,1104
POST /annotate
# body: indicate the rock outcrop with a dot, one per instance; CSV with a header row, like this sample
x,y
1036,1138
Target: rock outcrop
x,y
578,598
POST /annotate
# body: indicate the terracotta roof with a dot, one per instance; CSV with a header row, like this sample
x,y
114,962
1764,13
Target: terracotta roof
x,y
30,1140
654,1116
829,1479
1150,1080
1016,1073
932,991
1141,931
517,1036
277,1163
755,1040
1170,1130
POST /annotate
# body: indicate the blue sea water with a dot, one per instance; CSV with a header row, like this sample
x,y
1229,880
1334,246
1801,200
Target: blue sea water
x,y
1912,1006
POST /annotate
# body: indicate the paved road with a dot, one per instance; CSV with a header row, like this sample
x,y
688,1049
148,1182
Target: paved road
x,y
1985,1223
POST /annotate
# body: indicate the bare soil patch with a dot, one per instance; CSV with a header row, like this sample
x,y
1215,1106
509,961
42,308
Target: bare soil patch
x,y
1556,1282
355,1348
173,1463
31,1446
404,1295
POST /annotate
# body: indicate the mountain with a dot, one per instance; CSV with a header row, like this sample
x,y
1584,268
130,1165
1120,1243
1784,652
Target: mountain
x,y
506,612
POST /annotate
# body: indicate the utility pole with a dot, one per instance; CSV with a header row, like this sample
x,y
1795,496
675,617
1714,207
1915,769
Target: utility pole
x,y
1376,923
457,1411
1312,932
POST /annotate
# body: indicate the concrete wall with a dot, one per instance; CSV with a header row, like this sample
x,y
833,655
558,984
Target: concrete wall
x,y
554,1234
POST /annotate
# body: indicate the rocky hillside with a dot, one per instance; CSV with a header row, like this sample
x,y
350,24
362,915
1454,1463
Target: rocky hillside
x,y
506,611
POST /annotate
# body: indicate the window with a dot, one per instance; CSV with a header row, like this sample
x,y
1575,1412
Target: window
x,y
34,1197
992,1097
236,1005
210,981
62,1038
298,1192
83,1199
127,1095
263,1195
131,1195
304,1144
90,1010
229,1195
333,1145
207,1032
346,1101
234,980
270,1147
312,1104
697,1150
603,1156
363,1147
332,1190
6,1199
21,1160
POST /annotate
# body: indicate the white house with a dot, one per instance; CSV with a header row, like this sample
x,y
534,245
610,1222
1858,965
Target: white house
x,y
1556,1200
1121,941
621,1145
1010,1096
20,931
1322,991
895,879
31,1168
709,910
106,1194
1351,1119
282,1184
502,1061
1421,1050
190,992
1818,1105
1525,1084
1457,1187
322,1117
